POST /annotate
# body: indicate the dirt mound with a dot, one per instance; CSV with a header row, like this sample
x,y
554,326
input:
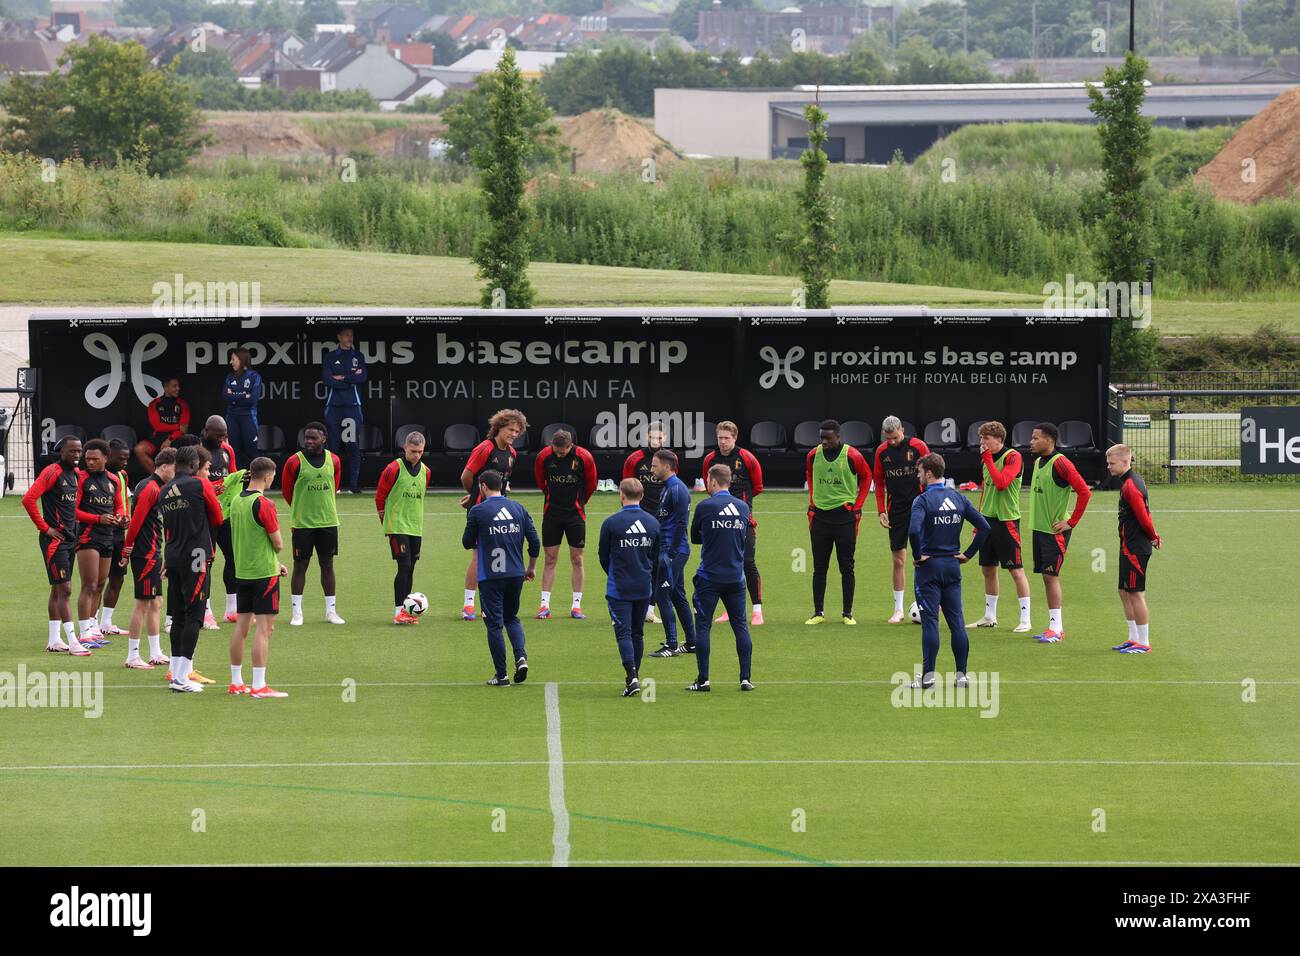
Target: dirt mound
x,y
261,134
608,139
1266,150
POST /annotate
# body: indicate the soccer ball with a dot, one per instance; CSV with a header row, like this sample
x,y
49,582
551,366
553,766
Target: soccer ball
x,y
415,604
914,612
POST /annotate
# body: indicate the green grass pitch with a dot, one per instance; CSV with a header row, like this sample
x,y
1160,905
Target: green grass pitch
x,y
1093,757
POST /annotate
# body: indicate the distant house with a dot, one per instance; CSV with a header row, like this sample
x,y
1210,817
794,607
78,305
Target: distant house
x,y
412,54
530,62
28,54
348,62
827,29
628,19
393,22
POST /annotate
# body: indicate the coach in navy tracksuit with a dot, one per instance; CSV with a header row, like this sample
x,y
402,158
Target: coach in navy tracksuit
x,y
627,542
671,557
496,528
935,534
720,526
242,391
344,372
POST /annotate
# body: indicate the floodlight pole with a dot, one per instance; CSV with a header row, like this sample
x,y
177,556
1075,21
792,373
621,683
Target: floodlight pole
x,y
1132,20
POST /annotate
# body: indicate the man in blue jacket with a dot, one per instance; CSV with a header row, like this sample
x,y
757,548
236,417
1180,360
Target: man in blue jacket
x,y
934,532
344,372
671,555
497,527
627,541
720,526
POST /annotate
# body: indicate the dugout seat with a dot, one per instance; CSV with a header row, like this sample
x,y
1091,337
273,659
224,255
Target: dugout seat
x,y
768,436
909,430
1021,434
455,438
1075,434
521,441
807,435
933,437
861,436
548,432
270,439
123,433
372,438
68,431
973,433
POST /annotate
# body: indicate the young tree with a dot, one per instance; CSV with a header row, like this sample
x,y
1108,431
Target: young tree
x,y
501,253
469,121
1126,238
816,246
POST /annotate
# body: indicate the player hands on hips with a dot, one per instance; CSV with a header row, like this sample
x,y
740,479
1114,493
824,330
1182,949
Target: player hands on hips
x,y
628,540
720,525
934,532
495,530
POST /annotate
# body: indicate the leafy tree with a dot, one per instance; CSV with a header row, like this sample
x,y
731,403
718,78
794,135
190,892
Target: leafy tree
x,y
501,254
470,121
445,48
816,246
38,121
1126,239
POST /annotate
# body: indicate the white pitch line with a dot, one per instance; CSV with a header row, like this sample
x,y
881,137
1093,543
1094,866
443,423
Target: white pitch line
x,y
555,753
556,763
466,863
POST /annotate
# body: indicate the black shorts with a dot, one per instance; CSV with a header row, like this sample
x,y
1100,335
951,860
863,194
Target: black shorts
x,y
324,541
57,558
555,528
103,547
898,522
1002,546
260,596
146,572
115,570
405,547
1132,569
187,589
1049,551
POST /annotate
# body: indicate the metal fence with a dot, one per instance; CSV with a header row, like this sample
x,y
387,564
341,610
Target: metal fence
x,y
1192,434
15,441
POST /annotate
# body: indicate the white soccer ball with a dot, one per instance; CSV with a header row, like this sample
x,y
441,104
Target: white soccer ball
x,y
415,604
914,612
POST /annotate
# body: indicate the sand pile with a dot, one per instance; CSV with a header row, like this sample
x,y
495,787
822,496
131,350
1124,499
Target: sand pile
x,y
1271,139
608,139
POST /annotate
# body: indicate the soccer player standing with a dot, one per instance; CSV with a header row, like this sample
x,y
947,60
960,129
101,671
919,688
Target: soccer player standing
x,y
496,529
671,556
399,499
838,480
309,483
118,453
144,549
215,438
51,503
640,465
191,518
494,453
100,512
746,484
934,532
169,417
1137,536
1049,496
255,535
627,543
719,526
1001,469
344,372
894,474
566,474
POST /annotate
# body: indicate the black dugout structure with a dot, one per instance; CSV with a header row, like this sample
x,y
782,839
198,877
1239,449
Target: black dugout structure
x,y
605,372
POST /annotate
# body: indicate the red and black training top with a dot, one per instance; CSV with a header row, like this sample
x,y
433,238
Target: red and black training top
x,y
489,456
1137,532
567,482
98,495
637,465
51,501
191,514
169,416
223,463
746,473
144,536
894,472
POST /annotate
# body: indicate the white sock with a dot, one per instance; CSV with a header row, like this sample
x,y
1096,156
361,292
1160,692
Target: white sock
x,y
650,613
295,600
105,617
1132,630
991,606
329,603
1143,635
54,633
577,599
132,647
236,674
1054,619
546,599
70,633
180,669
1024,610
758,608
207,608
898,602
155,645
259,678
231,605
87,626
397,610
469,597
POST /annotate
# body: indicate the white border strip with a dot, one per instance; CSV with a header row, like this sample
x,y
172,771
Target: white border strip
x,y
555,752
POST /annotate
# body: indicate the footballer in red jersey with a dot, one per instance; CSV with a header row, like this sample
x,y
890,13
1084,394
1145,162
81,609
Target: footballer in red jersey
x,y
1137,536
566,474
494,453
51,503
746,484
893,471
